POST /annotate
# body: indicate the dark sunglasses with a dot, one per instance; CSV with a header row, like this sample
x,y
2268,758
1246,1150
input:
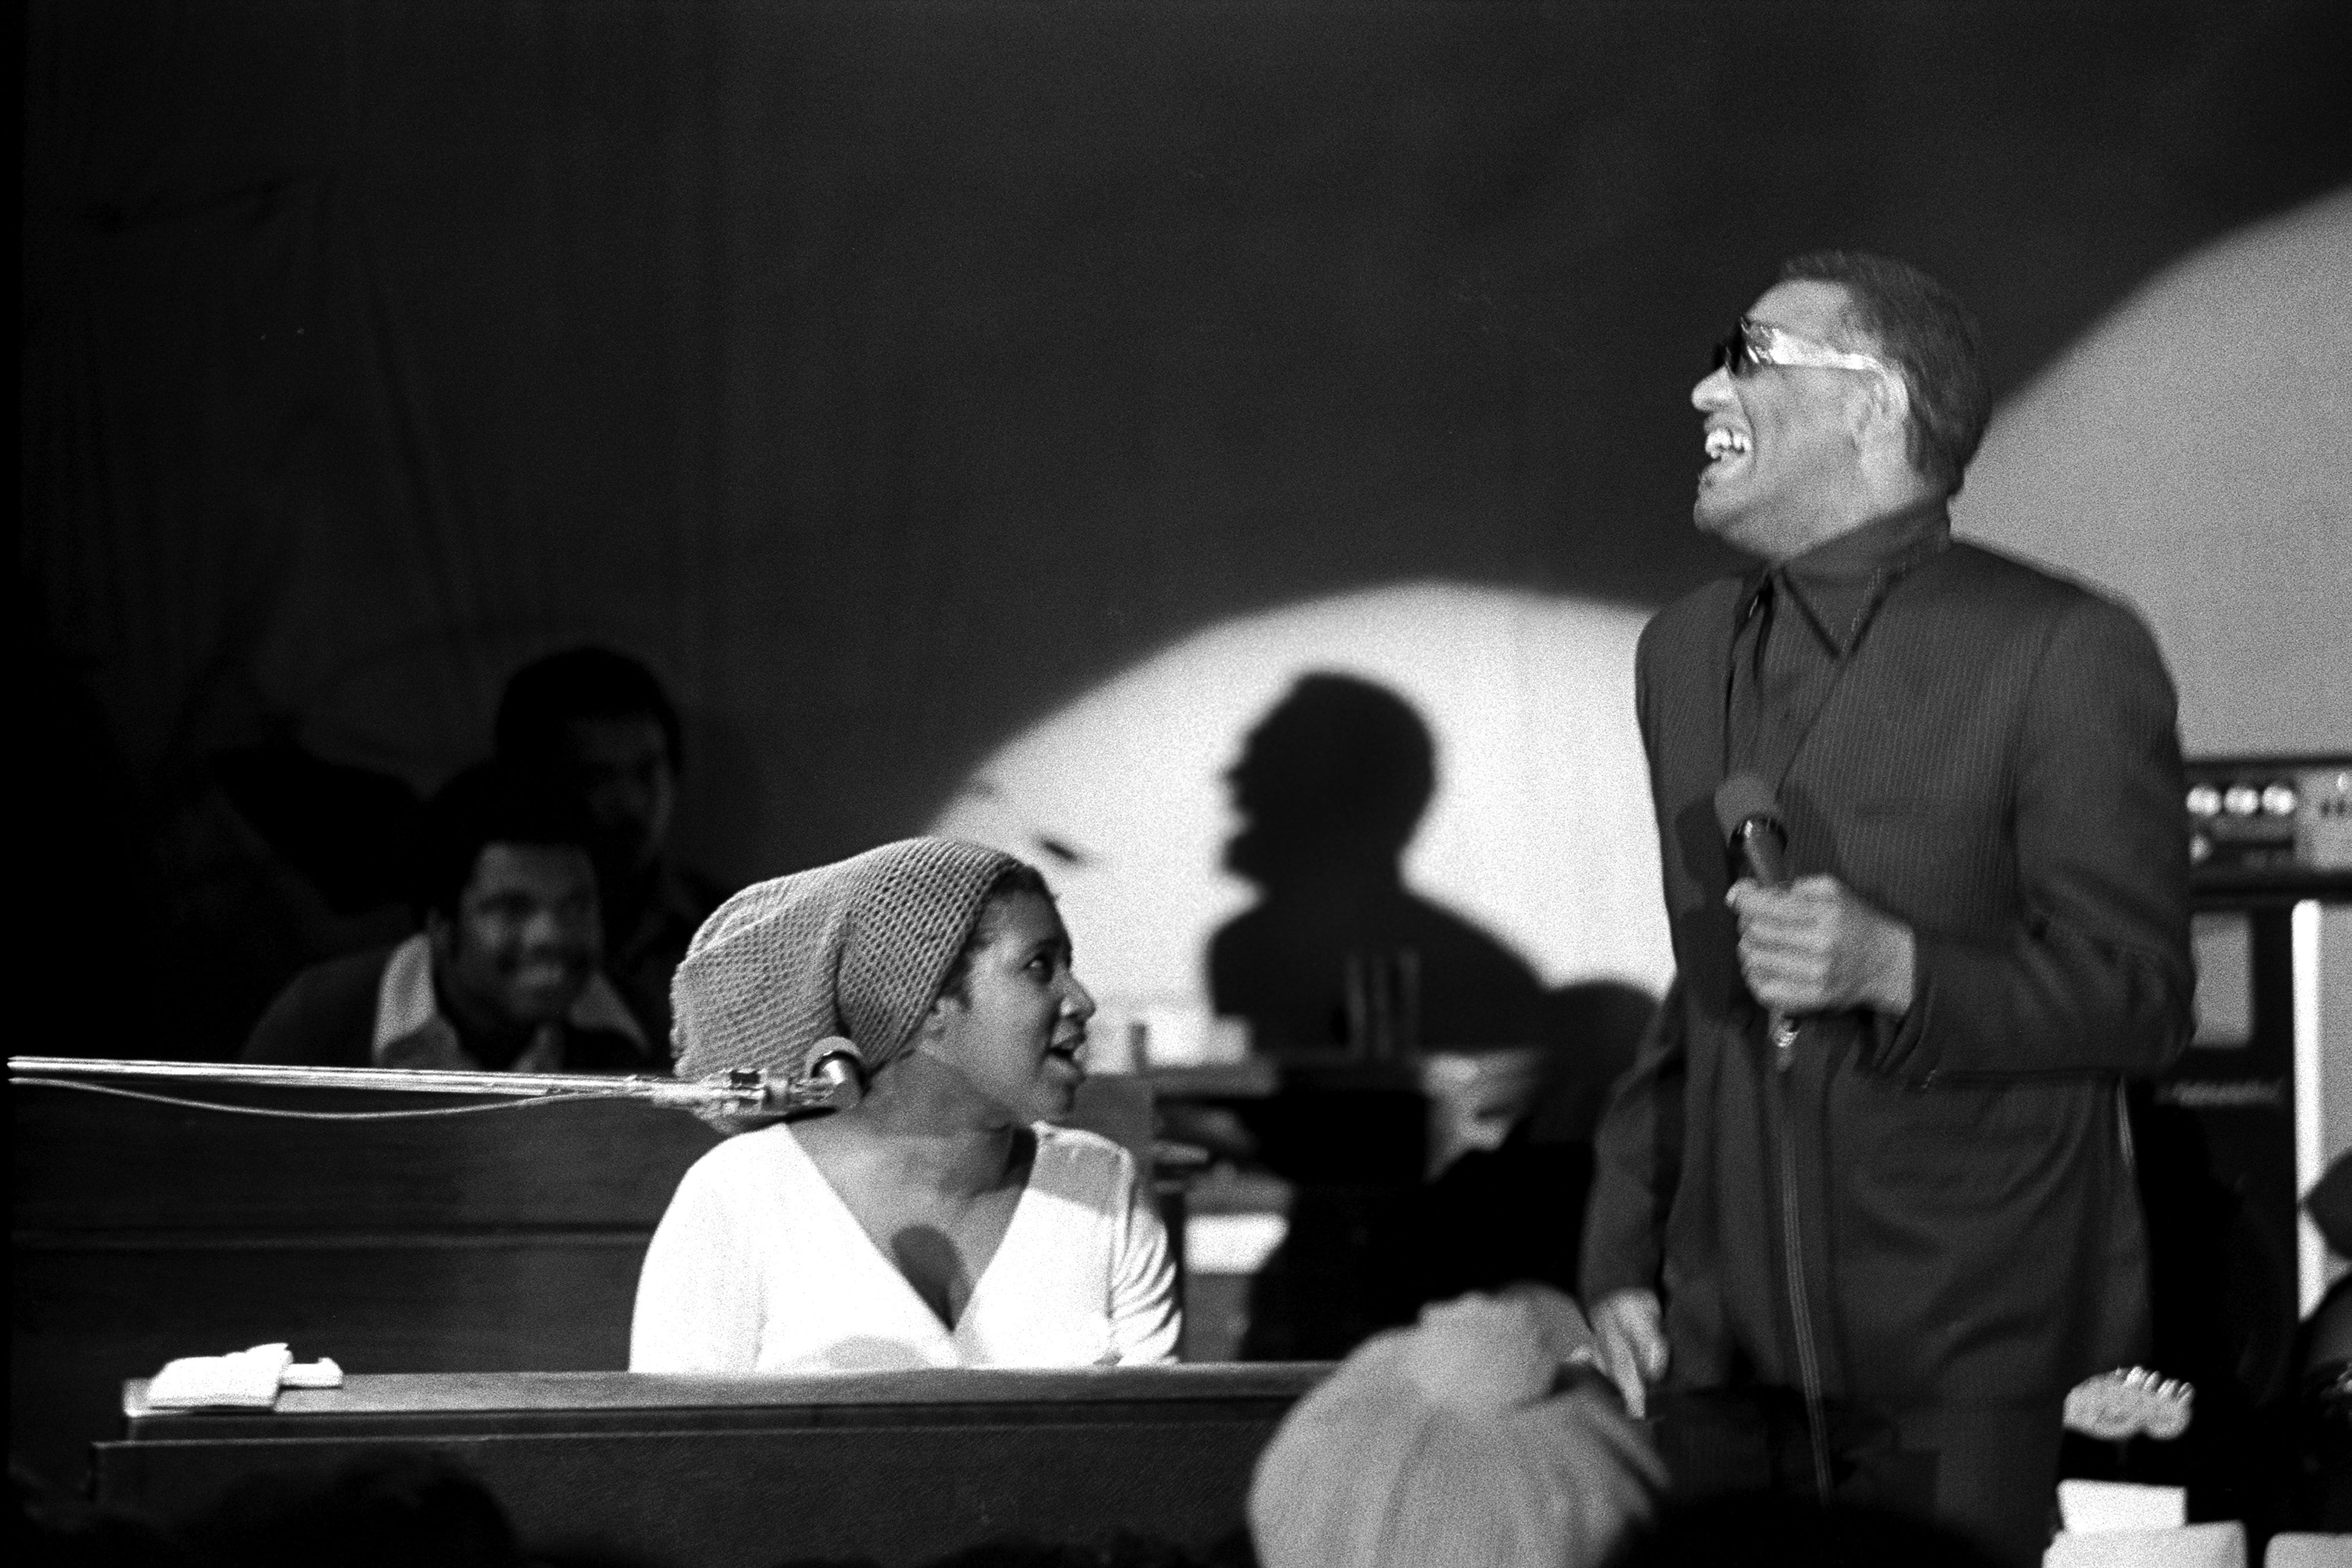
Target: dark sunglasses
x,y
1752,343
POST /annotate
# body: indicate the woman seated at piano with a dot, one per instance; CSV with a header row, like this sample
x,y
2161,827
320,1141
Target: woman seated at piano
x,y
942,1220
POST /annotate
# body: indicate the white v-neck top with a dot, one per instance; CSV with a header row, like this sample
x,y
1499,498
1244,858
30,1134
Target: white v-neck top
x,y
758,1266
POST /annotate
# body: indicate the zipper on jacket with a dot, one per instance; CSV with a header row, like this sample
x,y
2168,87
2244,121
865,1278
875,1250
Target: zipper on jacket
x,y
1792,1251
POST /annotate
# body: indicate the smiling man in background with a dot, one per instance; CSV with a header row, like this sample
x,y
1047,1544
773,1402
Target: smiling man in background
x,y
504,976
1864,1208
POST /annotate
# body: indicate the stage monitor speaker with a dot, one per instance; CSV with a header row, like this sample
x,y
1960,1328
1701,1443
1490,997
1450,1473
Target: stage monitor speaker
x,y
2271,828
2230,1141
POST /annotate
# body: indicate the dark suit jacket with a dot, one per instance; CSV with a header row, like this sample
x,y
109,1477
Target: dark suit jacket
x,y
1948,1200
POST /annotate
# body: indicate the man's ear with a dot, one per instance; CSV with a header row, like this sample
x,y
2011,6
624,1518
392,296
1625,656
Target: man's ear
x,y
1890,408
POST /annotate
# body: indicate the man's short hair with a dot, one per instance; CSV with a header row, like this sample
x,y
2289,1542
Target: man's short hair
x,y
487,804
1922,327
546,694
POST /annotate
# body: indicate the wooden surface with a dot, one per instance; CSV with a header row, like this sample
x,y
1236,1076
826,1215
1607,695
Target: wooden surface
x,y
93,1162
503,1240
899,1467
506,1240
485,1400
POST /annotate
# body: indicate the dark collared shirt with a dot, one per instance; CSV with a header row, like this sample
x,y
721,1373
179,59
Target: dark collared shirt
x,y
1804,618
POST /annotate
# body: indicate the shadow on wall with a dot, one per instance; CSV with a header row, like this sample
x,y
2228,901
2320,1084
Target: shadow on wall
x,y
1161,826
1338,952
1341,956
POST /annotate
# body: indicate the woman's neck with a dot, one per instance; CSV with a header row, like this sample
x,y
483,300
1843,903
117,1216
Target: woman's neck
x,y
941,1136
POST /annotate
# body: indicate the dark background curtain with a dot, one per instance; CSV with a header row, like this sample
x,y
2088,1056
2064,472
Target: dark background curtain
x,y
887,374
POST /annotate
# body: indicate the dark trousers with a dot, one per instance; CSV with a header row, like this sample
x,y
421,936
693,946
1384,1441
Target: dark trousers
x,y
1985,1471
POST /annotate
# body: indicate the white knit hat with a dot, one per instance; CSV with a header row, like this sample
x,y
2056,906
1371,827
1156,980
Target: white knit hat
x,y
857,949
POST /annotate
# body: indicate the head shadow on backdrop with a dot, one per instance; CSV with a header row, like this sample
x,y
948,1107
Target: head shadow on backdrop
x,y
1339,954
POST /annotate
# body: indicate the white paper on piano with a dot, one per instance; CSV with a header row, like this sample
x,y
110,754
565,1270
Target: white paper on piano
x,y
241,1380
2090,1507
320,1374
2219,1544
1231,1243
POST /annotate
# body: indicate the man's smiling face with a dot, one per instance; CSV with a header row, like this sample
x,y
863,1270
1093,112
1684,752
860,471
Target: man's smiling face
x,y
1782,458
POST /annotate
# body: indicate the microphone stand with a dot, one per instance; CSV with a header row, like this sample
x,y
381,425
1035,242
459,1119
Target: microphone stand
x,y
831,1084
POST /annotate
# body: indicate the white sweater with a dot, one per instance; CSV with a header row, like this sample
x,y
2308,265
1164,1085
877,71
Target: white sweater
x,y
758,1266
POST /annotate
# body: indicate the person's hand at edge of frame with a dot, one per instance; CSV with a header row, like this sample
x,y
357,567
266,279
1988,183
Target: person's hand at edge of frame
x,y
1630,1325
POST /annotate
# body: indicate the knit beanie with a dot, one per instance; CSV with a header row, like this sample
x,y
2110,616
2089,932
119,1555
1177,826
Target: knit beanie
x,y
1442,1445
858,948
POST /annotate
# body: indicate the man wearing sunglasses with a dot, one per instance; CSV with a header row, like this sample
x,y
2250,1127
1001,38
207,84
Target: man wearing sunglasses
x,y
1864,1210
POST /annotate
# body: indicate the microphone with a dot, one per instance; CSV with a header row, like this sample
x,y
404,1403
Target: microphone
x,y
1750,820
835,1074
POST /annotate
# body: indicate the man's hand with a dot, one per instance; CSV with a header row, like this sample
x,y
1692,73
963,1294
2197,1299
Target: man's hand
x,y
1631,1328
1814,947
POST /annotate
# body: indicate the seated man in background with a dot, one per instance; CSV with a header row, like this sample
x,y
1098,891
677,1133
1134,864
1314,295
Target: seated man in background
x,y
503,977
596,726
